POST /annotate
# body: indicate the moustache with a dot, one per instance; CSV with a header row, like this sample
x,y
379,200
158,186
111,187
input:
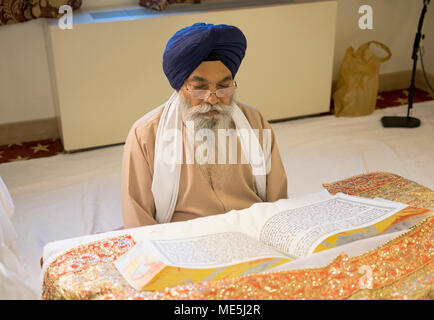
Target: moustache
x,y
208,109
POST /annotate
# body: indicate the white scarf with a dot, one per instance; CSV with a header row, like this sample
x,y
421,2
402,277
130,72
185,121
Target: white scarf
x,y
169,154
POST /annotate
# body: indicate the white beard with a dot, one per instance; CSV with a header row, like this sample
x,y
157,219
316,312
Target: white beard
x,y
221,120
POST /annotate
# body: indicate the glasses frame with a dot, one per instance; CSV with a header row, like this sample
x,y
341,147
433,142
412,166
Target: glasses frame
x,y
209,92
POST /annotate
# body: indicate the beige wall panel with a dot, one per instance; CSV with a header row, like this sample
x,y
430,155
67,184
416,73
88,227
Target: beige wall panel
x,y
394,23
25,90
109,74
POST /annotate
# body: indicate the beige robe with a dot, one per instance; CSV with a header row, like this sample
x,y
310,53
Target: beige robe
x,y
203,190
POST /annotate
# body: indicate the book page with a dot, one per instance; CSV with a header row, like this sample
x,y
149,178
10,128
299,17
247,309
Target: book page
x,y
139,265
215,250
298,231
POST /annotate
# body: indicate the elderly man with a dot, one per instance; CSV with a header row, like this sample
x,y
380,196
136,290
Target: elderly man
x,y
169,169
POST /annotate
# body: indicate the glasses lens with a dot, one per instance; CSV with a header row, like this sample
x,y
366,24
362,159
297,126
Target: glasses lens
x,y
199,94
226,92
203,94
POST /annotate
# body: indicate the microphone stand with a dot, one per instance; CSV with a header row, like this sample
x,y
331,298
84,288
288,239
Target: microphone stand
x,y
409,122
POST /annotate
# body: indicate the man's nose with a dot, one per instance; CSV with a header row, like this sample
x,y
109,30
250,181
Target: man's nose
x,y
212,99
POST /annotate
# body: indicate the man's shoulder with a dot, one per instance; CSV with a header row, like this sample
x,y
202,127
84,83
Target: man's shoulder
x,y
252,114
147,125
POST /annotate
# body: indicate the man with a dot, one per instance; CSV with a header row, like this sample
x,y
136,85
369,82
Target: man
x,y
169,169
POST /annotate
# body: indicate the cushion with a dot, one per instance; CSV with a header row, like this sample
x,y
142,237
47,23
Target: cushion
x,y
161,4
14,11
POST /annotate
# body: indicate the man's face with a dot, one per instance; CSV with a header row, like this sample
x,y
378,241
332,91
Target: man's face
x,y
209,75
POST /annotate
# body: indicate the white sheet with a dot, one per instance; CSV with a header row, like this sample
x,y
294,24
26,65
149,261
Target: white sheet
x,y
6,203
13,276
327,149
72,195
8,234
61,197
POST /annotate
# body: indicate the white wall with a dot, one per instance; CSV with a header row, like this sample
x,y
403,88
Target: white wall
x,y
98,104
25,92
25,89
395,24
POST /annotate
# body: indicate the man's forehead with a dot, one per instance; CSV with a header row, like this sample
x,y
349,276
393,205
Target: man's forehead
x,y
196,78
211,71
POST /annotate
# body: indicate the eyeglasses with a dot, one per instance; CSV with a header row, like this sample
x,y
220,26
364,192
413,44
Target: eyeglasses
x,y
220,93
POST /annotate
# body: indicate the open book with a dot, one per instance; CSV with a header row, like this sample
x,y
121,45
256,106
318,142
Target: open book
x,y
270,239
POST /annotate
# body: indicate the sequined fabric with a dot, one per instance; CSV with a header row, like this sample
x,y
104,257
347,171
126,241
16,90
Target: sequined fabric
x,y
387,186
87,270
402,268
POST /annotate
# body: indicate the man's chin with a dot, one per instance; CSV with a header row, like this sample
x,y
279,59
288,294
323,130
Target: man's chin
x,y
206,122
212,113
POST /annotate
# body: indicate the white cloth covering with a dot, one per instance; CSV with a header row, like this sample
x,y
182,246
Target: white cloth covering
x,y
74,195
327,149
61,197
7,230
6,202
13,276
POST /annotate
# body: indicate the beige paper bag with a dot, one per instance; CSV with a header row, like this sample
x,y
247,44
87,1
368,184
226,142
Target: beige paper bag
x,y
357,87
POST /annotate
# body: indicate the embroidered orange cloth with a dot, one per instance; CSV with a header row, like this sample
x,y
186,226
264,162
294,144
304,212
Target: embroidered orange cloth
x,y
387,186
399,269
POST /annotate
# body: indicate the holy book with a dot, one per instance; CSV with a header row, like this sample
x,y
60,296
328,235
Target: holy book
x,y
256,240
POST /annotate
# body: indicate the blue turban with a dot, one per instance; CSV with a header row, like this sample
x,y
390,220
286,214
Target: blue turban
x,y
191,45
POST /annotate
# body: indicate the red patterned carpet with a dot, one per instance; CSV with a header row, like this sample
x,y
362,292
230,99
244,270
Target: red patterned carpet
x,y
399,97
30,150
51,147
